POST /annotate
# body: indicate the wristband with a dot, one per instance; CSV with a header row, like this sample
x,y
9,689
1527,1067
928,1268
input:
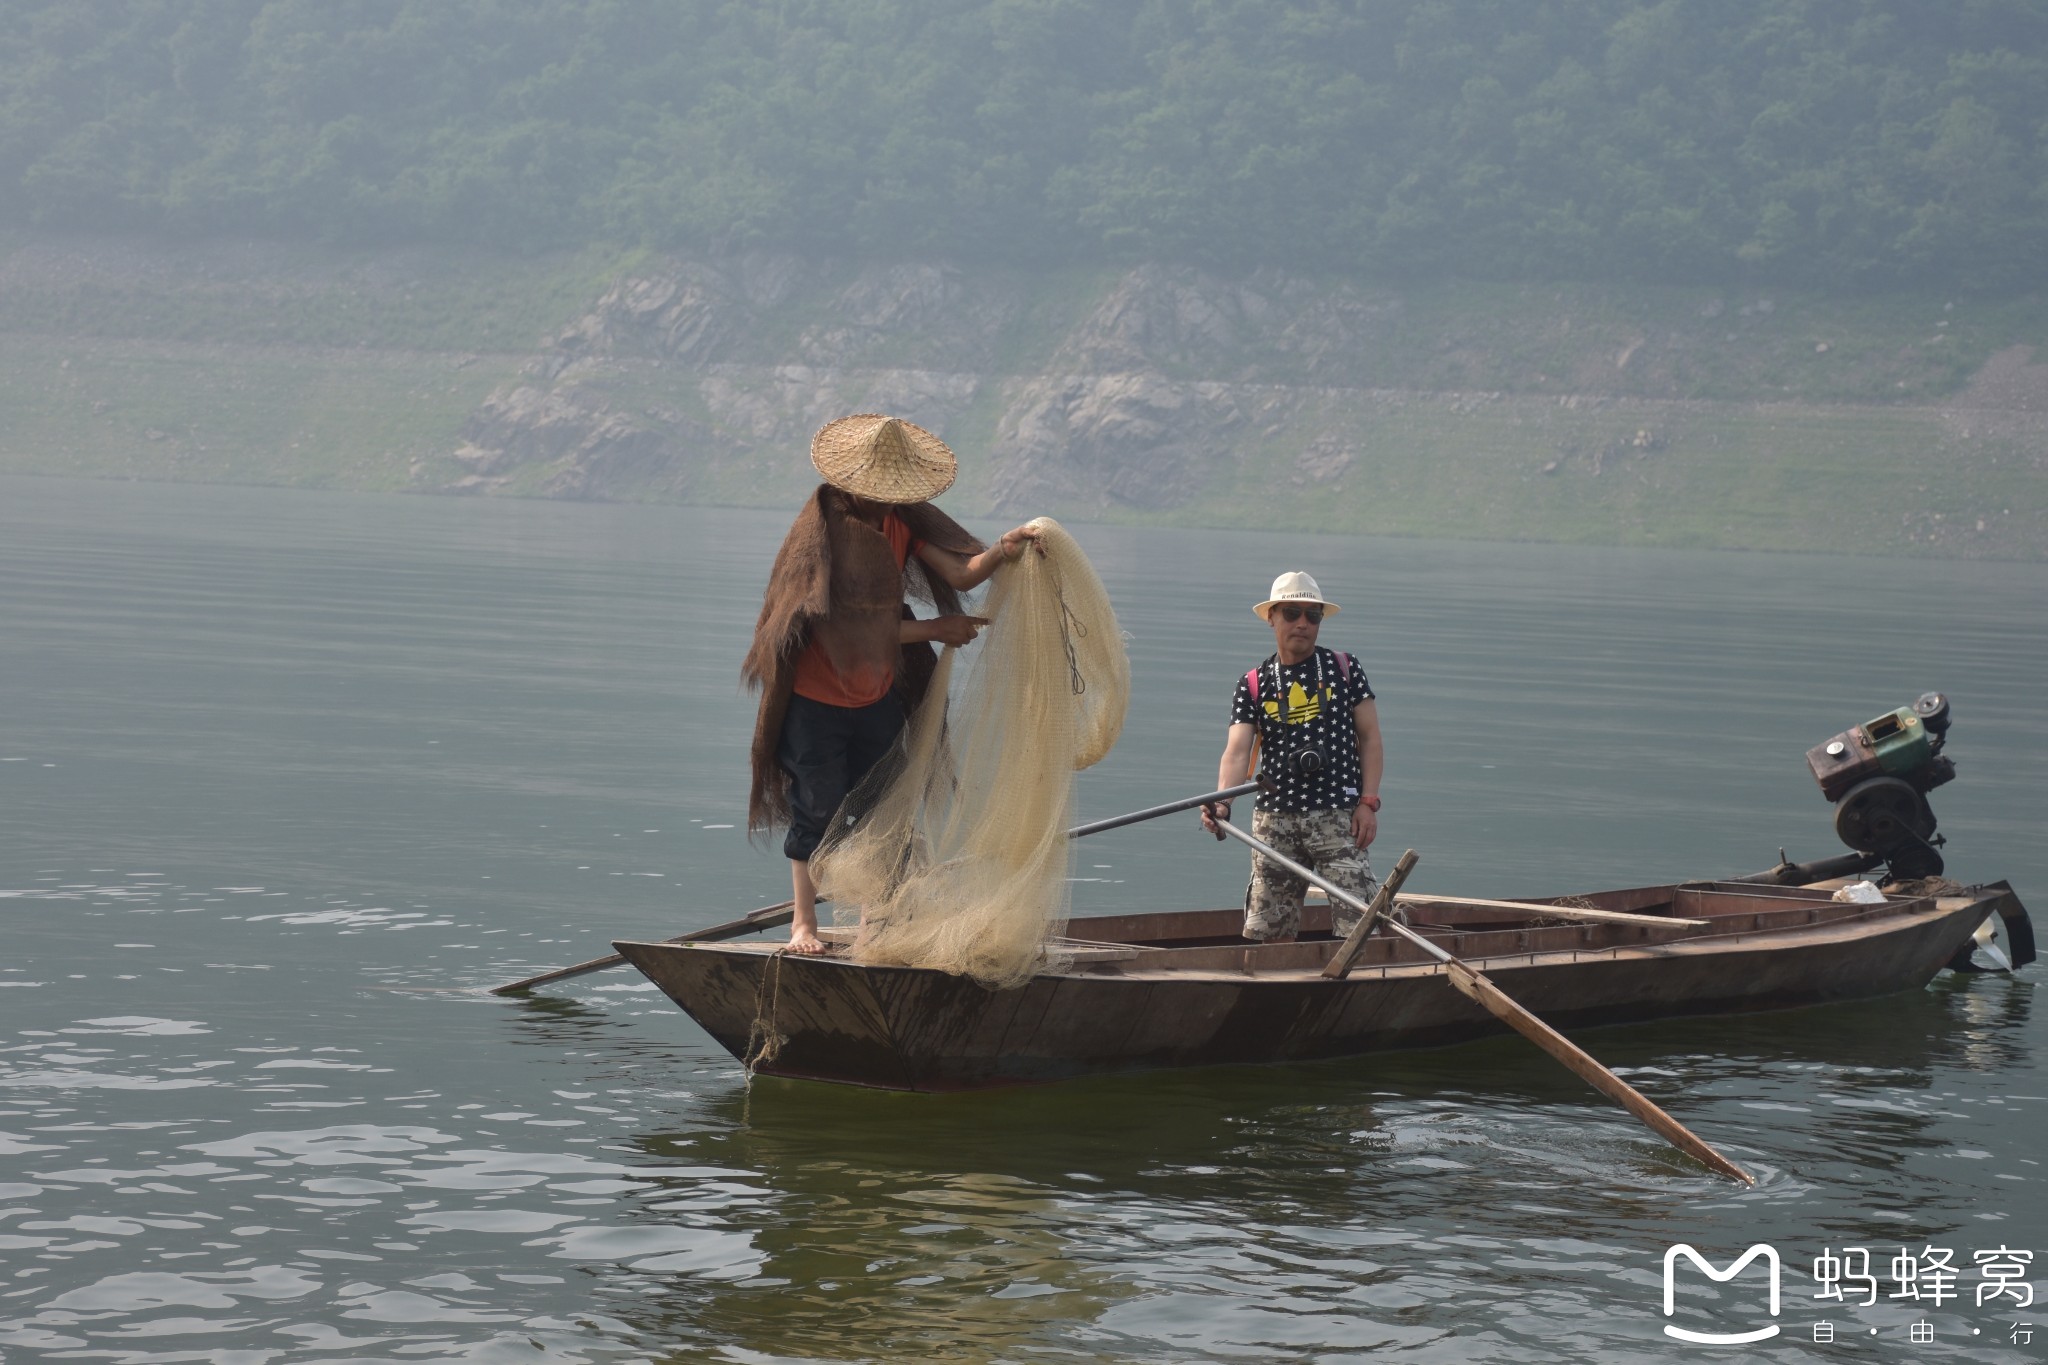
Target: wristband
x,y
1371,803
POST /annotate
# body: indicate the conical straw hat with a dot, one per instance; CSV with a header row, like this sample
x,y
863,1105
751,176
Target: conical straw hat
x,y
885,459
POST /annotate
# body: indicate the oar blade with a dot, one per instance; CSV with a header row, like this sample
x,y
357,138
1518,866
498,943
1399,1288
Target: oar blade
x,y
767,917
1581,1064
595,964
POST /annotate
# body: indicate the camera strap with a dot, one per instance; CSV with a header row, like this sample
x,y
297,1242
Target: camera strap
x,y
1252,679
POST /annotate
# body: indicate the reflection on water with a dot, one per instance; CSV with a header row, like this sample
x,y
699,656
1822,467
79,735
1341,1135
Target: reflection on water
x,y
344,756
863,1254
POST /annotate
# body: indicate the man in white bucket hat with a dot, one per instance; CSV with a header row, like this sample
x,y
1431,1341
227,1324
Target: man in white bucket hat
x,y
838,654
1313,714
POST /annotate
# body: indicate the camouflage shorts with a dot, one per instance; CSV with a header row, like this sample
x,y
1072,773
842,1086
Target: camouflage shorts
x,y
1319,840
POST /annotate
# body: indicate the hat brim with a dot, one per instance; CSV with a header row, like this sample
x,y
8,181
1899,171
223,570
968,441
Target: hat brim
x,y
1264,610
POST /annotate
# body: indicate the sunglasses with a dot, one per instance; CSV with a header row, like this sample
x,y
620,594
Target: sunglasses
x,y
1291,614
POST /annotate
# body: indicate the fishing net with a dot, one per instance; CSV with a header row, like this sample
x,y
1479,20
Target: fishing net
x,y
953,851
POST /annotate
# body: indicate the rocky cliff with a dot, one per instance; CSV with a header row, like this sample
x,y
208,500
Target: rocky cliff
x,y
1570,412
1170,392
1139,399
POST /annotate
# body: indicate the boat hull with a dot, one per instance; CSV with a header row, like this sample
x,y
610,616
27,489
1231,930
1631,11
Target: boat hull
x,y
829,1018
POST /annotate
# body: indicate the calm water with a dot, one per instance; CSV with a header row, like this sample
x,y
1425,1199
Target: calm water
x,y
283,773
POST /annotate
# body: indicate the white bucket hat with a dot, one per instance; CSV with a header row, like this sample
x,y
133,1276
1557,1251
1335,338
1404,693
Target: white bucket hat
x,y
1295,587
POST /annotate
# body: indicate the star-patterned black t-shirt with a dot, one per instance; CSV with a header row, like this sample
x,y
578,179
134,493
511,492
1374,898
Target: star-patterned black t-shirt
x,y
1308,707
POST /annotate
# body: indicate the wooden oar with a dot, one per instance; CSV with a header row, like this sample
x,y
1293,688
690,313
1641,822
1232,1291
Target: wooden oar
x,y
772,916
767,917
1538,911
1485,992
1478,987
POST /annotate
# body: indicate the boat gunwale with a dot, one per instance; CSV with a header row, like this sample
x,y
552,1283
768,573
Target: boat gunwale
x,y
1155,963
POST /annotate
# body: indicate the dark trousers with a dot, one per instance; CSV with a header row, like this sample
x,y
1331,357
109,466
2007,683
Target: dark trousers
x,y
827,750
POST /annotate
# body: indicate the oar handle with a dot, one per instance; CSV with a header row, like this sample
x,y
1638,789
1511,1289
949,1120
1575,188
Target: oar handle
x,y
1154,812
1333,891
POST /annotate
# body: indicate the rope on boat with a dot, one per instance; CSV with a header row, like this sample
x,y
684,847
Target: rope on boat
x,y
1543,921
764,1040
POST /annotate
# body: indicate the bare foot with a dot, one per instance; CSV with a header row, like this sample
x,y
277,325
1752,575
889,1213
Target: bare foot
x,y
804,941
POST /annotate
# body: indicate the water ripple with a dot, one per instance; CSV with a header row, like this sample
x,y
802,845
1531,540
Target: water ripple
x,y
357,744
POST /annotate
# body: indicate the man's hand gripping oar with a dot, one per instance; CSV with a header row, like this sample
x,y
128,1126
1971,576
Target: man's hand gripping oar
x,y
1479,988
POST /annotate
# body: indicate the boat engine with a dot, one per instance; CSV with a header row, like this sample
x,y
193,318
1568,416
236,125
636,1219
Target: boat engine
x,y
1878,775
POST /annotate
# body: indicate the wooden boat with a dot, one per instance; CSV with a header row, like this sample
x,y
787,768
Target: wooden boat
x,y
1133,992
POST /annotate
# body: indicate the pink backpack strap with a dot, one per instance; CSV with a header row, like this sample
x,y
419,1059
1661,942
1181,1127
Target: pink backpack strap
x,y
1251,680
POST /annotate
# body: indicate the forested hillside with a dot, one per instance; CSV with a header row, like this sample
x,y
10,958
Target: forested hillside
x,y
1825,143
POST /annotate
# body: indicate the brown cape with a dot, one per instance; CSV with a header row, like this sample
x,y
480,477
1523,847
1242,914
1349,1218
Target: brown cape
x,y
800,597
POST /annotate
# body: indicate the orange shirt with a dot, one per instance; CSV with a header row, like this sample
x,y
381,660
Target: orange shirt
x,y
817,679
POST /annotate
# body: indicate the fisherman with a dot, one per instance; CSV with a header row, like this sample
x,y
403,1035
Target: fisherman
x,y
1314,715
838,655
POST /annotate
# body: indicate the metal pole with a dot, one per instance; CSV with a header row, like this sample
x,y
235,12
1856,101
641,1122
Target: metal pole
x,y
1153,812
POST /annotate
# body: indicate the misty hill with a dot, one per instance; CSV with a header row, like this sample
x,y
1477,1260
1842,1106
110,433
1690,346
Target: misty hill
x,y
1594,413
1770,143
1649,416
1755,273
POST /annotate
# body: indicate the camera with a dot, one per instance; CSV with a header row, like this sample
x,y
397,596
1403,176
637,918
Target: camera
x,y
1298,758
